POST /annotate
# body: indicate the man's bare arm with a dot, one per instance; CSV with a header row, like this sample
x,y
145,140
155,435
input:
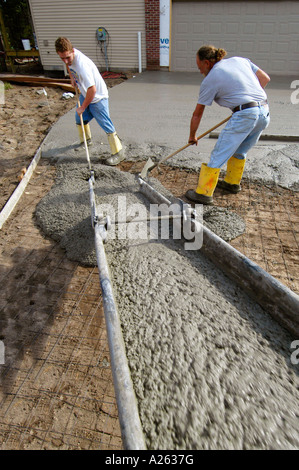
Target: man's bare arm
x,y
263,78
195,121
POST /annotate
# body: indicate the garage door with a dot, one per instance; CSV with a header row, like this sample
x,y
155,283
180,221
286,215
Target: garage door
x,y
266,32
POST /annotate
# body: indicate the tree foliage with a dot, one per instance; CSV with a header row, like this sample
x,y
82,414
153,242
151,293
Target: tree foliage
x,y
17,20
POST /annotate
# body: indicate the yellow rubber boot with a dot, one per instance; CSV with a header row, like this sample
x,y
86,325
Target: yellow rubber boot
x,y
87,133
117,153
207,182
234,173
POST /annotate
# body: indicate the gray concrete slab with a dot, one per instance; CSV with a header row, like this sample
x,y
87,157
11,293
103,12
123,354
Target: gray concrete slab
x,y
152,112
160,105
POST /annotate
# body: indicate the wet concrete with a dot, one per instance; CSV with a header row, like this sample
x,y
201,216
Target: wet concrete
x,y
196,344
211,369
152,112
64,214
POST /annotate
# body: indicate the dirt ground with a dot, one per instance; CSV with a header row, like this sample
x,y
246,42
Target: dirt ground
x,y
25,119
56,388
56,385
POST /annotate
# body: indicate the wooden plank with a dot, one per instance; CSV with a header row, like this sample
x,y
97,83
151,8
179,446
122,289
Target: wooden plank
x,y
33,78
31,53
65,84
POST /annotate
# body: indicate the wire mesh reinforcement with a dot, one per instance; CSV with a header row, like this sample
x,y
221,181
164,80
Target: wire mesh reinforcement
x,y
56,384
61,393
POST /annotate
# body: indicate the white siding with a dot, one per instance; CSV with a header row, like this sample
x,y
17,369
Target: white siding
x,y
79,19
267,32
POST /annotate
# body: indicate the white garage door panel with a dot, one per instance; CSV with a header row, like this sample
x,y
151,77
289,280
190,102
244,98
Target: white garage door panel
x,y
266,32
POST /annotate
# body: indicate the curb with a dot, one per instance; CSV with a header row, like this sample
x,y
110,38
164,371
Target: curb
x,y
278,137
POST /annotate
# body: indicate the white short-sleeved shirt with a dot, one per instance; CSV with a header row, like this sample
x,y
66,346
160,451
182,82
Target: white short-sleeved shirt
x,y
86,74
231,82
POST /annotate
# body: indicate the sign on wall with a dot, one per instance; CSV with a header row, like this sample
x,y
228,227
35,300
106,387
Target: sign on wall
x,y
164,32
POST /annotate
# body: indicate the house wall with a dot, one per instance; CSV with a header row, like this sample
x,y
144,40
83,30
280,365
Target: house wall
x,y
152,26
79,20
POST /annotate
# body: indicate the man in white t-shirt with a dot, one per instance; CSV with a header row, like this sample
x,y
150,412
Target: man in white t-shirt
x,y
94,102
237,84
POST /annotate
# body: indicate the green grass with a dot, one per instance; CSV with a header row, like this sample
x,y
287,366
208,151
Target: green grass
x,y
7,86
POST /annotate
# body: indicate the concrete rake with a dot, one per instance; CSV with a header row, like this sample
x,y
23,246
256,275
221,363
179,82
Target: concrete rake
x,y
150,165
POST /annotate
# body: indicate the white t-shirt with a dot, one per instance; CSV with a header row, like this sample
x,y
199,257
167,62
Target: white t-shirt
x,y
86,74
231,82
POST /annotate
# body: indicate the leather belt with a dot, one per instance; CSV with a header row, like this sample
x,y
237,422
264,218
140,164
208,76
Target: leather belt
x,y
252,104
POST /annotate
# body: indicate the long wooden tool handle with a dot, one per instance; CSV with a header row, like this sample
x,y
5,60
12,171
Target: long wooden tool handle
x,y
83,131
198,138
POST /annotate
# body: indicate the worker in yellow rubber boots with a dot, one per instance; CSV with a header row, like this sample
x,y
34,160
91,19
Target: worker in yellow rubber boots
x,y
93,98
238,84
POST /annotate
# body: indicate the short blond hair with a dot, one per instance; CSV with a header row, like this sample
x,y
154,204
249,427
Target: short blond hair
x,y
63,44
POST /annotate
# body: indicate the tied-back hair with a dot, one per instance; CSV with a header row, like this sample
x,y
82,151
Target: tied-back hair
x,y
211,53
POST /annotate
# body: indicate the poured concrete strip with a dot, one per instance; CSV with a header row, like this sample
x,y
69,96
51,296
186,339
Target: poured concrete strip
x,y
16,195
279,301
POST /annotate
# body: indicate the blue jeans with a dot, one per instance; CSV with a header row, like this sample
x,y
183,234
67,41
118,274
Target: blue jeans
x,y
241,133
99,111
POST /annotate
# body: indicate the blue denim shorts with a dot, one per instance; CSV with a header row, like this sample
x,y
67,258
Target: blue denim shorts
x,y
99,111
241,133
